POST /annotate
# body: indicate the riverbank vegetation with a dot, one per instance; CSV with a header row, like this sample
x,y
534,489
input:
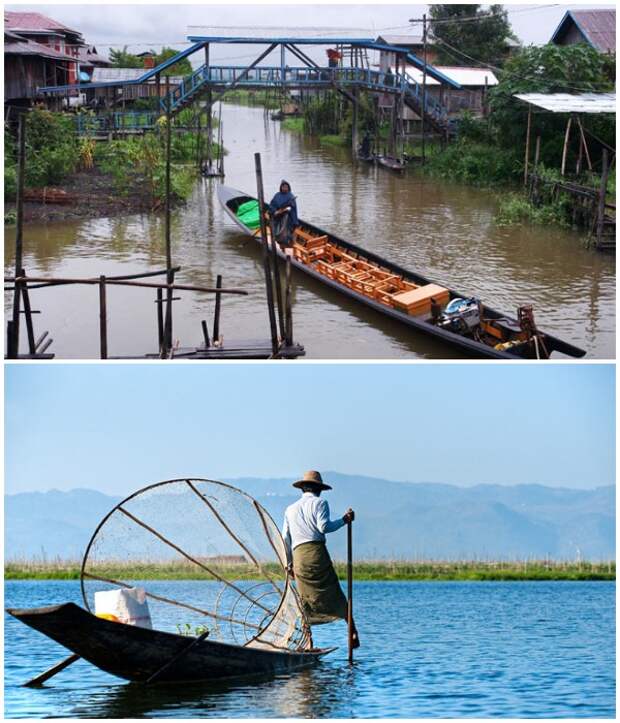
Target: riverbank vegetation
x,y
101,176
364,570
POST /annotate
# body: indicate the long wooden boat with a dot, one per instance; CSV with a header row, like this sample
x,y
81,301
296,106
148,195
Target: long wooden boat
x,y
136,653
408,297
393,164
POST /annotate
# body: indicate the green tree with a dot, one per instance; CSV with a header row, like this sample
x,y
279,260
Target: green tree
x,y
124,59
183,67
481,33
549,69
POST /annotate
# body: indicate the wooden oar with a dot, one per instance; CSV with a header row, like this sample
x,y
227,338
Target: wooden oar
x,y
350,586
158,673
40,679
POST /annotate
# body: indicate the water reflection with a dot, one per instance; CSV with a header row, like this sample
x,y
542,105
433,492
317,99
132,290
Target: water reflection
x,y
444,231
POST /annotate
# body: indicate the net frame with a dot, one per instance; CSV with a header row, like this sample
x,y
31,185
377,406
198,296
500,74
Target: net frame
x,y
288,592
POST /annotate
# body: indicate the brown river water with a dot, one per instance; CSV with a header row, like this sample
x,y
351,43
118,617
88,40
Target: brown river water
x,y
445,231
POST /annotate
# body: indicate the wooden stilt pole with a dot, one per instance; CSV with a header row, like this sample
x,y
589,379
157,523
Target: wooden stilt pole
x,y
170,274
266,264
527,145
350,587
13,345
565,149
602,196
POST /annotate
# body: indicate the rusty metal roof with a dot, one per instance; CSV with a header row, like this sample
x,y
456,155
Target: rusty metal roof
x,y
598,28
25,47
569,103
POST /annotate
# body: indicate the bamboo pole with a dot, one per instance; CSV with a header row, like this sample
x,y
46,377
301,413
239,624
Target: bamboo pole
x,y
103,320
565,149
13,348
423,118
266,265
527,145
120,282
602,196
170,274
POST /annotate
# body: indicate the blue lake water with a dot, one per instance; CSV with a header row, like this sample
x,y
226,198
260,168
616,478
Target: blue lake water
x,y
444,649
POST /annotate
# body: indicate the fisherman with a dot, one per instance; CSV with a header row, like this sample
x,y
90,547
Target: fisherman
x,y
365,146
283,208
305,524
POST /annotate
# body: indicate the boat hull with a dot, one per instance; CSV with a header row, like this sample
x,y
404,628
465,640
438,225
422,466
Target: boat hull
x,y
135,653
465,344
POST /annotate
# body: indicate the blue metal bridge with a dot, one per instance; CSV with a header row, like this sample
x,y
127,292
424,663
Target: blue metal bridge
x,y
210,79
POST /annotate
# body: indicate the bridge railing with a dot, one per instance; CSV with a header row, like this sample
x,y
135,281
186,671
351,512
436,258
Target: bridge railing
x,y
86,124
299,77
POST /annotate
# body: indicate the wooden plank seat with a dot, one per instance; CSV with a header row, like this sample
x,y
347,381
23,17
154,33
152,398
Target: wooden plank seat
x,y
418,301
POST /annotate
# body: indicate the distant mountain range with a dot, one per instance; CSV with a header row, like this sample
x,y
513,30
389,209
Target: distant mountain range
x,y
397,520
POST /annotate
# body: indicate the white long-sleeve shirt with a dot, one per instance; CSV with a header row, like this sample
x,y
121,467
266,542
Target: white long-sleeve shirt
x,y
307,520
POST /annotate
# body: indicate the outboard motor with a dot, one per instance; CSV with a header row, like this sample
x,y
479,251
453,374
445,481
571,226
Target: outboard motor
x,y
461,316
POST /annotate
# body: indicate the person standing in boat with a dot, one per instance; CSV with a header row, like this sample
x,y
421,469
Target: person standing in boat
x,y
365,146
306,522
283,208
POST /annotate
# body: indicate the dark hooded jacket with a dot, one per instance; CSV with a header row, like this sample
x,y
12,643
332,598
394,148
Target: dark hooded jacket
x,y
281,200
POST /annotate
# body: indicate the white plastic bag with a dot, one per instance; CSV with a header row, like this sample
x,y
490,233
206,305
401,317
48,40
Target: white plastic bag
x,y
127,605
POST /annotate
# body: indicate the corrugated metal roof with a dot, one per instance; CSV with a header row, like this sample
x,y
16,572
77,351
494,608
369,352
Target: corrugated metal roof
x,y
567,103
597,26
466,77
113,75
33,21
402,40
31,48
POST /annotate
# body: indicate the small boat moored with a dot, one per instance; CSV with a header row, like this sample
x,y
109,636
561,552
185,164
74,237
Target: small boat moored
x,y
398,165
408,297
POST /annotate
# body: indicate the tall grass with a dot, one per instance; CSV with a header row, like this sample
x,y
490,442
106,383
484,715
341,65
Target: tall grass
x,y
364,570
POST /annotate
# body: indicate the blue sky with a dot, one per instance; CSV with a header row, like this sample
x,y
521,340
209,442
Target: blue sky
x,y
117,427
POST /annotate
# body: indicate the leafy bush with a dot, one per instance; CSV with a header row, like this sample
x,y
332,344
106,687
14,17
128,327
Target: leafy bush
x,y
476,164
10,182
515,208
52,149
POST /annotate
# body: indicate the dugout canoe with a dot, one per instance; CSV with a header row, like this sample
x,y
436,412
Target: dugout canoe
x,y
136,653
495,329
393,164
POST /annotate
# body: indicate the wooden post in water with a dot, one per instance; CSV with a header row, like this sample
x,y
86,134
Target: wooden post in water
x,y
601,198
354,132
266,265
13,346
170,272
28,314
350,588
103,320
216,315
288,322
423,119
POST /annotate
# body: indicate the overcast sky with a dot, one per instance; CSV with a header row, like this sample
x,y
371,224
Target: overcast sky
x,y
142,26
114,427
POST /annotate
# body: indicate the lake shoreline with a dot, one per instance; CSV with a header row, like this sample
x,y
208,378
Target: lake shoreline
x,y
364,571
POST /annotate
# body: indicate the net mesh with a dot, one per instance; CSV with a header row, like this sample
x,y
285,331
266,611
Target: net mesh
x,y
209,558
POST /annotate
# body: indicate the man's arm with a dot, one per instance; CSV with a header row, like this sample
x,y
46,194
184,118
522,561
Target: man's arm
x,y
286,534
323,522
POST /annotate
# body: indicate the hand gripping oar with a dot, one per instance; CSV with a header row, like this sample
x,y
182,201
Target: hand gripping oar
x,y
40,679
350,586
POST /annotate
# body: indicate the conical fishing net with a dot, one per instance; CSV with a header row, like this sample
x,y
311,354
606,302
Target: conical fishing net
x,y
209,558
